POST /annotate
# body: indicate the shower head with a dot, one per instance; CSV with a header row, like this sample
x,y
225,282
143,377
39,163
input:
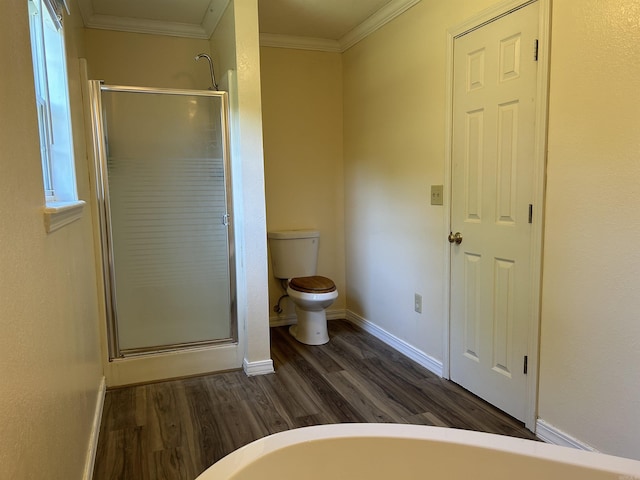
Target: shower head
x,y
202,55
214,86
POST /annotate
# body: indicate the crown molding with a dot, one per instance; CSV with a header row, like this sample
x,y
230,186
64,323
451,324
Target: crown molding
x,y
383,16
138,25
216,10
300,43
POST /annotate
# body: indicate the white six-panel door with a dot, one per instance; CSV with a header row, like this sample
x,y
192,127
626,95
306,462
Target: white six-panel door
x,y
494,107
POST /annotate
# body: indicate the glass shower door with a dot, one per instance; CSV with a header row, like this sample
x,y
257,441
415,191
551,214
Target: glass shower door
x,y
165,183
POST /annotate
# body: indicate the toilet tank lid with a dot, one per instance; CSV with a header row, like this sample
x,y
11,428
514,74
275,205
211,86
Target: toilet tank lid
x,y
292,234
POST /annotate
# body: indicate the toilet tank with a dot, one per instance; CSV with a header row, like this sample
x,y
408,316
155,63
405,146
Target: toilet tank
x,y
294,253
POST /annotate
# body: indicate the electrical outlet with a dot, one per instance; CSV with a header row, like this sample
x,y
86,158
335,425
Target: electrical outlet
x,y
417,301
437,194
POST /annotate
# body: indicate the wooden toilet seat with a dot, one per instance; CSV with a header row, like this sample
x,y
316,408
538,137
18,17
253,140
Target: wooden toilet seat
x,y
315,284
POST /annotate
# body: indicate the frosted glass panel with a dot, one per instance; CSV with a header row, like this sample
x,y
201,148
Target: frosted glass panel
x,y
167,197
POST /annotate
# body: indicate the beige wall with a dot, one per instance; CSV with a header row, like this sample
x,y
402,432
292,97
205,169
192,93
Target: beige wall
x,y
123,58
394,112
394,97
49,347
223,46
590,350
302,125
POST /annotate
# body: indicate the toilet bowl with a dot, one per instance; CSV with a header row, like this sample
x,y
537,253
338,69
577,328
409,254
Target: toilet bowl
x,y
311,296
294,257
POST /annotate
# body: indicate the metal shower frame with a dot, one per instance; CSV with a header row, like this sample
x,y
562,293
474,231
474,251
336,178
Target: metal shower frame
x,y
96,87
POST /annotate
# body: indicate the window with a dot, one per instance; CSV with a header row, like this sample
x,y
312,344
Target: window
x,y
54,118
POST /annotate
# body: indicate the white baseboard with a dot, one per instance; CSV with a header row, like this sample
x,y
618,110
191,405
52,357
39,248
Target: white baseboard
x,y
418,356
95,431
262,367
550,434
284,320
403,347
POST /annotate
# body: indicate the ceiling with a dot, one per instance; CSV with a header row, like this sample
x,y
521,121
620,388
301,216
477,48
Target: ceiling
x,y
328,19
314,24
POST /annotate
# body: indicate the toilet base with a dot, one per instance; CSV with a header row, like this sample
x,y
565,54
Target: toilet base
x,y
311,328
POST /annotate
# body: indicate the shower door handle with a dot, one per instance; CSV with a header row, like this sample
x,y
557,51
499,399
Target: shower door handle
x,y
226,219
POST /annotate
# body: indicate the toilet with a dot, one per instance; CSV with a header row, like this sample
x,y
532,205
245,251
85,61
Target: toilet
x,y
294,257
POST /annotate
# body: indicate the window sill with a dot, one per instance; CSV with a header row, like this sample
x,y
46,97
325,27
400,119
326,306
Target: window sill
x,y
59,214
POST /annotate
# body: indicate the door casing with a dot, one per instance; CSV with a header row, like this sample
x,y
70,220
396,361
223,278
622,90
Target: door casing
x,y
484,17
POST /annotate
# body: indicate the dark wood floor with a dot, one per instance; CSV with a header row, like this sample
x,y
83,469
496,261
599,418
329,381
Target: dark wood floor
x,y
175,430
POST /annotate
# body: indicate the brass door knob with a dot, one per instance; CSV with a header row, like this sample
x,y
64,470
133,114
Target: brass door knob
x,y
455,238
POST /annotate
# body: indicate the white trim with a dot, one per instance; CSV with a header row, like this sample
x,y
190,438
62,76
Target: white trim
x,y
379,19
539,187
488,15
300,43
446,205
143,25
214,14
173,364
394,342
418,356
212,17
501,9
261,367
550,434
282,320
95,431
338,314
59,214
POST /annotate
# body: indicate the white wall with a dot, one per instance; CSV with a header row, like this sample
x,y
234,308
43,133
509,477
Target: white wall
x,y
49,347
302,120
590,346
394,144
239,28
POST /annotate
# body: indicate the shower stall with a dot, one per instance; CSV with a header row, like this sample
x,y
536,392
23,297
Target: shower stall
x,y
164,199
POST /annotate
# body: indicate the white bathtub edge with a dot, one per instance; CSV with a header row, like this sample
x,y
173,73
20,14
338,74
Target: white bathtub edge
x,y
235,461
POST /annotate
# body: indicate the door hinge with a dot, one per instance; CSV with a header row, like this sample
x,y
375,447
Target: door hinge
x,y
535,50
526,361
226,218
530,213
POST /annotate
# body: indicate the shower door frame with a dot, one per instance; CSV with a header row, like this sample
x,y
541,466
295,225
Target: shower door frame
x,y
96,87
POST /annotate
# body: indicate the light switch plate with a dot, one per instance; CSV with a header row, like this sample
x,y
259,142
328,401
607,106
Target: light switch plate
x,y
436,194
